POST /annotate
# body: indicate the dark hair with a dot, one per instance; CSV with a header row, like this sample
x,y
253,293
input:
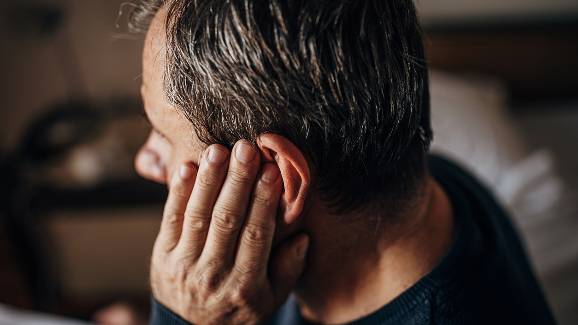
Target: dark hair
x,y
346,81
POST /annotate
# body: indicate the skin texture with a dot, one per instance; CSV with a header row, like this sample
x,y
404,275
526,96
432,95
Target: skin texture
x,y
212,261
232,244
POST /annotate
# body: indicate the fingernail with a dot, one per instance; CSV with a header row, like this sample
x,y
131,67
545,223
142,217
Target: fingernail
x,y
270,174
216,155
245,152
302,248
185,171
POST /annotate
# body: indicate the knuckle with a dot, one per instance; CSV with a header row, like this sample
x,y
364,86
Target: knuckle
x,y
172,218
255,235
196,213
206,285
199,224
241,295
197,221
226,220
207,282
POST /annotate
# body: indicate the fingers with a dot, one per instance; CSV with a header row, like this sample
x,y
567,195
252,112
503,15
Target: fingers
x,y
179,192
288,265
231,207
257,235
198,212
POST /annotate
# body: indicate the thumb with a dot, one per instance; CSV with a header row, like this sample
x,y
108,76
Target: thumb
x,y
288,264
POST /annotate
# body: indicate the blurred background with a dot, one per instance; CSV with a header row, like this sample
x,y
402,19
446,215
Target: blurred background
x,y
77,224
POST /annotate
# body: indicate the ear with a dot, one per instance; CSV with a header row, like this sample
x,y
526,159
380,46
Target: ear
x,y
294,169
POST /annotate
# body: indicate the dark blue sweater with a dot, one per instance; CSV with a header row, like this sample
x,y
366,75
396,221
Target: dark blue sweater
x,y
484,279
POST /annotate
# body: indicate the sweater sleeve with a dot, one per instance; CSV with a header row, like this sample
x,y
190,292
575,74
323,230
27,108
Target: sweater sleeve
x,y
161,315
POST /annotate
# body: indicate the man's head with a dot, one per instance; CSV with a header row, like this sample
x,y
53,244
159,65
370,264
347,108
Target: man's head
x,y
343,82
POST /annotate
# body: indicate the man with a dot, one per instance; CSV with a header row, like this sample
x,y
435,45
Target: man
x,y
293,136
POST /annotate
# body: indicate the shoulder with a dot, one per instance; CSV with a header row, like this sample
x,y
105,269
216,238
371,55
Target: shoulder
x,y
495,276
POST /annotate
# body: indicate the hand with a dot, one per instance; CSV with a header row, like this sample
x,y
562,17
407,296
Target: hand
x,y
212,260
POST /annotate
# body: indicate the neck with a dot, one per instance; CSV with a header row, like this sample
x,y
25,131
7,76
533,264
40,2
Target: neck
x,y
353,270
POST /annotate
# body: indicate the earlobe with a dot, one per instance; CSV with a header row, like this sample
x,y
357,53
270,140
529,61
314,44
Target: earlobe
x,y
294,172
